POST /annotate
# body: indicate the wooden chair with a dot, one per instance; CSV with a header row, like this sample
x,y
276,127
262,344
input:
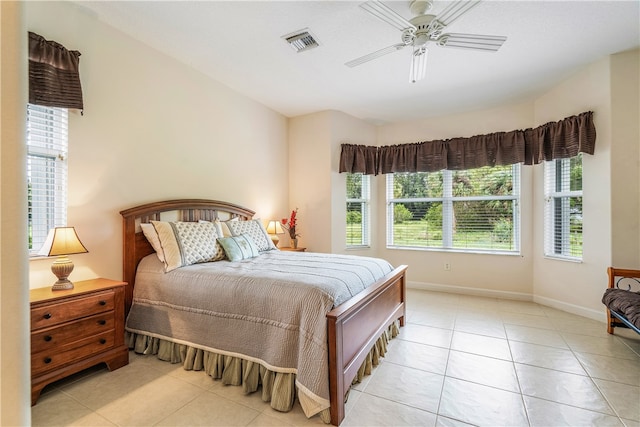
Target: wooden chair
x,y
627,280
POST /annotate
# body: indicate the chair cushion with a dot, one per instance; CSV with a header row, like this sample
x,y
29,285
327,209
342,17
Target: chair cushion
x,y
624,302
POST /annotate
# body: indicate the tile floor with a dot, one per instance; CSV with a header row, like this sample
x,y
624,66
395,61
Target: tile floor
x,y
461,360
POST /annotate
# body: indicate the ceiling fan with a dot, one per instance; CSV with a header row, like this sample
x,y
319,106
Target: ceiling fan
x,y
425,28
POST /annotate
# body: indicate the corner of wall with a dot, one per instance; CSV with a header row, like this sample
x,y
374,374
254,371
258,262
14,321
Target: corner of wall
x,y
14,292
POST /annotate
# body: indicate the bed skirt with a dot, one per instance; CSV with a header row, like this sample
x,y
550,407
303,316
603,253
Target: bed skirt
x,y
278,388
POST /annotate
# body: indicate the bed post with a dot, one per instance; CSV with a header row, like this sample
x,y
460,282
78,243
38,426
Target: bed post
x,y
129,262
353,329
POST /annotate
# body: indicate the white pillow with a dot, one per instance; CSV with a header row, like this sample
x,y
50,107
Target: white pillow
x,y
186,243
255,230
223,228
150,233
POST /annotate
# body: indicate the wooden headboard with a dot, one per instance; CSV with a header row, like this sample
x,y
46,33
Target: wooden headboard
x,y
136,246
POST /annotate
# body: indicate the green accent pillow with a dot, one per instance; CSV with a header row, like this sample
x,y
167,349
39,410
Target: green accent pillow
x,y
239,247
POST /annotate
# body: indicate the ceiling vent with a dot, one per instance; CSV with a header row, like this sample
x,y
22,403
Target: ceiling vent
x,y
301,40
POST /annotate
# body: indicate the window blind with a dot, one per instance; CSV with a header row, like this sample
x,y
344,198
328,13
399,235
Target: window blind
x,y
475,210
358,195
46,171
563,208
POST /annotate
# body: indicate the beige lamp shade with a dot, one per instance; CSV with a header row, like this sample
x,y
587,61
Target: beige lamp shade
x,y
60,242
274,228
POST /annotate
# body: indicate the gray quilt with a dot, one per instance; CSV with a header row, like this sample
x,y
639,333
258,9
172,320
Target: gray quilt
x,y
269,309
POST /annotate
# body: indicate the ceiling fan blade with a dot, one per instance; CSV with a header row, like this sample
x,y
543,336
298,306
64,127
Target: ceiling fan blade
x,y
471,41
455,10
374,55
383,12
418,64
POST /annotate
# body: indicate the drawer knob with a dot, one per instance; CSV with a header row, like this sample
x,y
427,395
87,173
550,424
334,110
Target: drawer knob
x,y
102,322
47,316
48,338
47,360
103,341
102,302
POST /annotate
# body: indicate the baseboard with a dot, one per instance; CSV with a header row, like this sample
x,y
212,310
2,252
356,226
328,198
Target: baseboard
x,y
589,313
520,296
480,292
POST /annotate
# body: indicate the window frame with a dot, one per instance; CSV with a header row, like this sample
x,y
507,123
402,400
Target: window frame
x,y
448,199
47,172
557,216
365,210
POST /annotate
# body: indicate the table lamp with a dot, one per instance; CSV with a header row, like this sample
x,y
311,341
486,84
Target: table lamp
x,y
60,242
274,228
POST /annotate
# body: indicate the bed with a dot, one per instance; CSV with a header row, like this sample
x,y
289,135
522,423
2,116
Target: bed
x,y
353,332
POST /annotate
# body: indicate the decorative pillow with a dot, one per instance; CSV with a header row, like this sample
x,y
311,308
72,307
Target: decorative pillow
x,y
186,243
222,228
239,247
151,235
255,230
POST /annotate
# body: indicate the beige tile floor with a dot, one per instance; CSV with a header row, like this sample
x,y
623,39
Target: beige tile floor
x,y
461,360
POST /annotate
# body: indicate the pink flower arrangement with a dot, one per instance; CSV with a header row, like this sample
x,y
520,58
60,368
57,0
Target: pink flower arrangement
x,y
290,224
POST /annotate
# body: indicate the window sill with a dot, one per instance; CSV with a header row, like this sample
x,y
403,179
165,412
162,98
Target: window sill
x,y
565,259
454,250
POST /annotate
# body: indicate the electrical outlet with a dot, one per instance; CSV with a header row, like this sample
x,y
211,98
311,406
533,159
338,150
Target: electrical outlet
x,y
447,266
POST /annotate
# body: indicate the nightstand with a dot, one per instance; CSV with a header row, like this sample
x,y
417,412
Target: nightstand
x,y
293,249
75,329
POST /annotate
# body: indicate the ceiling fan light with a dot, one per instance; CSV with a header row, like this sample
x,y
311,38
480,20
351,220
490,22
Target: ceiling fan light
x,y
418,64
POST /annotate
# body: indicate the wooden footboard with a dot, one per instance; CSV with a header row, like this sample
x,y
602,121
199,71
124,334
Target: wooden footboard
x,y
353,329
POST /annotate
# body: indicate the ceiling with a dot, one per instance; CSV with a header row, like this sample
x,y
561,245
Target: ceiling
x,y
239,43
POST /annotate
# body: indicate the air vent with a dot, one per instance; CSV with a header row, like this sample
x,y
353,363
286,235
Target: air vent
x,y
301,40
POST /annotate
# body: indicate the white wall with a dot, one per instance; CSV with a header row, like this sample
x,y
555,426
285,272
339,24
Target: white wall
x,y
315,185
14,306
625,159
310,180
153,129
610,184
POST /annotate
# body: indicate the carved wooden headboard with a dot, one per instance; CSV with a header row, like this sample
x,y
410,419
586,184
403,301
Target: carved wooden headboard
x,y
136,246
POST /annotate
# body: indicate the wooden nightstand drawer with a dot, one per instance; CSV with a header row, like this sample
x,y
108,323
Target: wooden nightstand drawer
x,y
48,360
71,309
60,335
75,329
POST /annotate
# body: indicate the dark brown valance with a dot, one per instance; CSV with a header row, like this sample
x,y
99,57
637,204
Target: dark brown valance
x,y
54,78
555,140
359,158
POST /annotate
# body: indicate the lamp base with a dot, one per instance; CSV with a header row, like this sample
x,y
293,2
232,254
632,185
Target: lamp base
x,y
62,285
62,267
275,239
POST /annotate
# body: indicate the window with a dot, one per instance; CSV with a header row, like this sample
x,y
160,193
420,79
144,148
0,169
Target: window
x,y
563,208
357,209
46,171
474,210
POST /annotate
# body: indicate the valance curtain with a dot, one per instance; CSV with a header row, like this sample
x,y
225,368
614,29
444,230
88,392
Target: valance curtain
x,y
555,140
54,78
359,158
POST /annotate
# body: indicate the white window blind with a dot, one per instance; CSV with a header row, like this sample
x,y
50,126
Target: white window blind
x,y
563,208
474,210
358,196
46,171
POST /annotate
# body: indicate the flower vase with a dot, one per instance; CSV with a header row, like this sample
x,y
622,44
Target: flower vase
x,y
294,243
